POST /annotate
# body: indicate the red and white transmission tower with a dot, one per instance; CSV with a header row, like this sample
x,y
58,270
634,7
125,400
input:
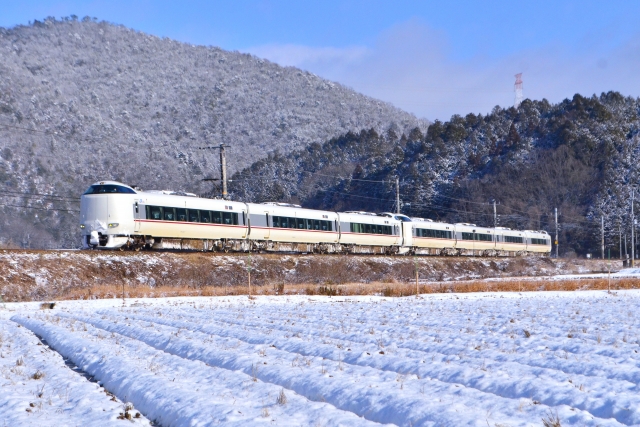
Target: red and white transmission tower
x,y
518,89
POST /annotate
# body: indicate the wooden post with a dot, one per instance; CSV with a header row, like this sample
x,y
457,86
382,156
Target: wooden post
x,y
609,286
415,261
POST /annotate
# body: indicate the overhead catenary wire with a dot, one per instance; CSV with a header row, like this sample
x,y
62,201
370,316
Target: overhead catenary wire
x,y
8,193
404,195
39,209
425,205
28,130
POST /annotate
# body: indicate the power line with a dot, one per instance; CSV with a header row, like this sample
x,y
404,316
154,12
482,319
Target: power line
x,y
29,130
18,194
39,209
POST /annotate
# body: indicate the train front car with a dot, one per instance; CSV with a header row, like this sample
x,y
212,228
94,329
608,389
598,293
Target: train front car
x,y
106,215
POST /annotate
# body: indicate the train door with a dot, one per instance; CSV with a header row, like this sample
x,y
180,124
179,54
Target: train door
x,y
267,226
407,234
137,216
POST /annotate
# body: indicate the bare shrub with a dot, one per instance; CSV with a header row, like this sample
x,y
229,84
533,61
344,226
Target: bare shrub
x,y
282,398
278,289
551,420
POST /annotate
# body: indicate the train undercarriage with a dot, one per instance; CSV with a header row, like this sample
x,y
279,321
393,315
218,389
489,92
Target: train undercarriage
x,y
137,243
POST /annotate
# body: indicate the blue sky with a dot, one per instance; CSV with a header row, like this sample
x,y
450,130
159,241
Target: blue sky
x,y
432,58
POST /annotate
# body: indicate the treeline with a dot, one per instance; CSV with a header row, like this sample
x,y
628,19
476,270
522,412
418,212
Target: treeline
x,y
579,156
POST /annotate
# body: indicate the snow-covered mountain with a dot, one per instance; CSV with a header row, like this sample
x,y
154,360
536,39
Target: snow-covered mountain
x,y
83,100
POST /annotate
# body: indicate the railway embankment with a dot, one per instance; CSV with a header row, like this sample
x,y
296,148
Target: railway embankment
x,y
53,275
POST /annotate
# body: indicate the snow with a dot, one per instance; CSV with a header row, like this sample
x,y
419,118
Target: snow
x,y
626,272
497,359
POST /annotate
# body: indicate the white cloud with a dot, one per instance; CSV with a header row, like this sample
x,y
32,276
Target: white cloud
x,y
410,66
310,57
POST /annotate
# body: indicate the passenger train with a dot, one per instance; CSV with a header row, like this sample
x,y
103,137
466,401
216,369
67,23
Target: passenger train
x,y
116,216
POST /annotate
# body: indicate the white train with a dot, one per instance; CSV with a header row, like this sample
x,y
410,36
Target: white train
x,y
114,215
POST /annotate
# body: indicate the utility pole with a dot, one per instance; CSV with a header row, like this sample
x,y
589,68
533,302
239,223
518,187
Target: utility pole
x,y
602,230
495,216
633,225
397,194
223,169
223,172
556,232
620,240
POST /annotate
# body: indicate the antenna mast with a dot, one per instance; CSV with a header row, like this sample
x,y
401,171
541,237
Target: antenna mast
x,y
517,87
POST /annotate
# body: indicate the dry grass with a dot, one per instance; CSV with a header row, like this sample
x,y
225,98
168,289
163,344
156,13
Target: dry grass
x,y
351,289
551,420
282,398
59,275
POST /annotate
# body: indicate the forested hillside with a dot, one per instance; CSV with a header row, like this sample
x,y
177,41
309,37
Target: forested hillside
x,y
580,156
84,100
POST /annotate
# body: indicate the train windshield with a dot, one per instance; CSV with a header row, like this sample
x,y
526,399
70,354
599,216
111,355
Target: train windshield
x,y
109,189
402,218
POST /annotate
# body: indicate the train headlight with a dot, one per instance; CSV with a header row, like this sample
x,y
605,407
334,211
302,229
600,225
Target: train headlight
x,y
113,224
81,225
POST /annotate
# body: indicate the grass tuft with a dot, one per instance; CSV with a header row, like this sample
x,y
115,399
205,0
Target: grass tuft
x,y
282,398
551,420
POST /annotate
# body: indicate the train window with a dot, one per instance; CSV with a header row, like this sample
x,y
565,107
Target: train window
x,y
109,189
293,223
275,221
234,218
169,214
216,217
181,214
154,212
538,241
467,236
329,226
193,215
205,216
300,224
325,225
226,218
284,222
513,239
367,228
308,224
316,224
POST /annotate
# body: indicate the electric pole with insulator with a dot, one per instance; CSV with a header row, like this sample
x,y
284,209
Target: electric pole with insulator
x,y
633,241
602,231
223,169
397,194
495,215
556,232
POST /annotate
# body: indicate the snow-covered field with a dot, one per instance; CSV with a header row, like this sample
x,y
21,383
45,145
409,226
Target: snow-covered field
x,y
438,360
